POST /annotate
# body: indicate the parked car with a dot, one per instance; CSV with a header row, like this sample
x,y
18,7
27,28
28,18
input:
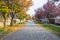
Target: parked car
x,y
55,20
52,20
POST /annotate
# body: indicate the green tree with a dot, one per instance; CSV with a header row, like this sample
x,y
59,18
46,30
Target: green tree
x,y
14,11
21,17
28,17
18,6
14,6
4,10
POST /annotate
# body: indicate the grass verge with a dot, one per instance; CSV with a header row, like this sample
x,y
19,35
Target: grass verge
x,y
50,27
1,30
9,29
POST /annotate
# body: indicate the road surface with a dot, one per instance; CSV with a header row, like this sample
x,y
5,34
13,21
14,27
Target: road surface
x,y
31,32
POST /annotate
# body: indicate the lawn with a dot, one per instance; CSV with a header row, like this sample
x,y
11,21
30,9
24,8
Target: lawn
x,y
50,27
56,29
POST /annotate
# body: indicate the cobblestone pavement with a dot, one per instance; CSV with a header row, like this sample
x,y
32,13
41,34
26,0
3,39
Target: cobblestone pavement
x,y
31,32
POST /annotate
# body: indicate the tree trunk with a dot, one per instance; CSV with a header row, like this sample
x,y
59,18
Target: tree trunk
x,y
4,20
20,20
12,17
11,21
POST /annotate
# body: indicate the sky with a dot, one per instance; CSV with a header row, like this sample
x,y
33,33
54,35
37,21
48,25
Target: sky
x,y
36,4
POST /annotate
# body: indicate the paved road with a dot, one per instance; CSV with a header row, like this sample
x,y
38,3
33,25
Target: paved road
x,y
32,32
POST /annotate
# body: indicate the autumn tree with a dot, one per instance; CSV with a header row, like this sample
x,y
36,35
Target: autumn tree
x,y
24,6
4,10
21,16
14,6
17,6
28,17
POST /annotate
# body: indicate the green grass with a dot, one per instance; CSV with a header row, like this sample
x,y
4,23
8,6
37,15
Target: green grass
x,y
49,27
1,29
22,23
52,27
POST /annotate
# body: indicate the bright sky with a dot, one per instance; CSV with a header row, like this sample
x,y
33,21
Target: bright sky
x,y
36,4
